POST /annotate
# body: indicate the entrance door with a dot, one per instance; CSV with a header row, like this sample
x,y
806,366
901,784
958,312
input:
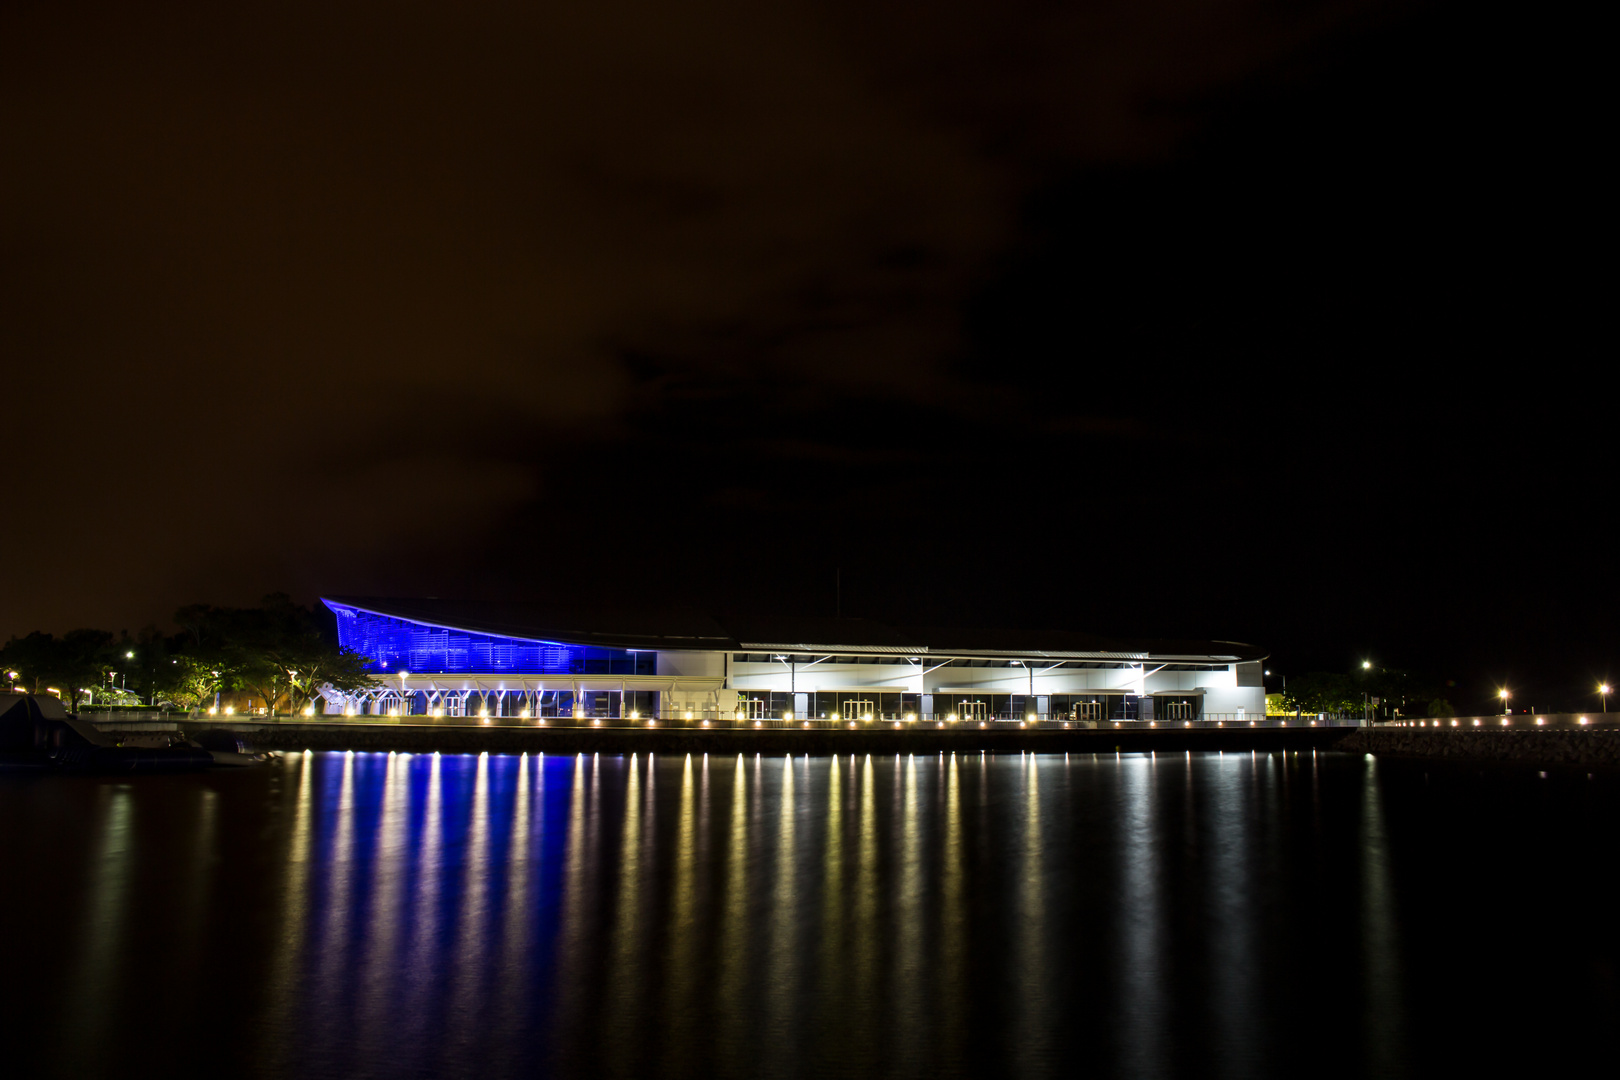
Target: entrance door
x,y
752,708
1090,710
859,710
1177,710
973,711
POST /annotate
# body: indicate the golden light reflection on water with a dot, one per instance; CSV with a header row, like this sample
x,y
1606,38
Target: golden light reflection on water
x,y
288,959
1034,1021
626,978
831,964
734,918
782,959
103,939
677,1017
790,937
1383,1030
908,974
1143,989
953,926
388,874
862,989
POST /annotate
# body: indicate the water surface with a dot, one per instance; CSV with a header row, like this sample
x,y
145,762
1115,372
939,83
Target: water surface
x,y
997,915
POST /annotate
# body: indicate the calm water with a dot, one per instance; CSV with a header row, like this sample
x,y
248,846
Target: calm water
x,y
417,915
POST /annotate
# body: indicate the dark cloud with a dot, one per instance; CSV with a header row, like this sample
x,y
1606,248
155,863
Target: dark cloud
x,y
341,297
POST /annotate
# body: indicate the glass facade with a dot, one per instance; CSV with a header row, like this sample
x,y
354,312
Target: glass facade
x,y
397,645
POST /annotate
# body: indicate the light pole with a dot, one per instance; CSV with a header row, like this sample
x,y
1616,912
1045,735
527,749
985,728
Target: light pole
x,y
1504,695
12,675
1603,692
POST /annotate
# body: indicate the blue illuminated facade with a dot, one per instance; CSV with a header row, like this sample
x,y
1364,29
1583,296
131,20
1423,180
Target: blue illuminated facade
x,y
400,645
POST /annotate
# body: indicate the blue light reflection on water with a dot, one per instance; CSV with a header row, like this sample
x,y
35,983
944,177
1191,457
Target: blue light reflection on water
x,y
398,915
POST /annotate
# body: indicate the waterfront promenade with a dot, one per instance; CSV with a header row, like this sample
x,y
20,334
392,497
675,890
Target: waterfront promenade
x,y
512,739
1596,745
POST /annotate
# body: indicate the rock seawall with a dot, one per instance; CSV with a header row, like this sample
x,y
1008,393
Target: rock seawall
x,y
1592,749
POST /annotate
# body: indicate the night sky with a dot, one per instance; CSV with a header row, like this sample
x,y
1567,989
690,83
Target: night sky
x,y
1259,321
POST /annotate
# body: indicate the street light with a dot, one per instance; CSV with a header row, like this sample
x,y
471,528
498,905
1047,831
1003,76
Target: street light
x,y
1504,695
1603,691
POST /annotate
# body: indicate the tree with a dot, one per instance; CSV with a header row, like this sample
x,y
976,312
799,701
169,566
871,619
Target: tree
x,y
192,682
71,664
207,660
280,651
1322,692
31,658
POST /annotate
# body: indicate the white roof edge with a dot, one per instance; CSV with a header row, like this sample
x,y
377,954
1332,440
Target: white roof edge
x,y
894,650
978,653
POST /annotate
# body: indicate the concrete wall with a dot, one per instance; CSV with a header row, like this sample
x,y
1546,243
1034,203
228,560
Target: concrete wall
x,y
711,664
1231,699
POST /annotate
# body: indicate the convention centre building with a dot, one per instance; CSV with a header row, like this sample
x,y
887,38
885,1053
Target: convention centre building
x,y
522,662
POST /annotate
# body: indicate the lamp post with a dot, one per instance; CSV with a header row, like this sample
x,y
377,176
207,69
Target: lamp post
x,y
1504,695
1603,692
12,675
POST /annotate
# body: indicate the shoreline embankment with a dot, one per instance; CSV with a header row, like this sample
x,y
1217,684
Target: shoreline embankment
x,y
1591,748
469,739
1594,748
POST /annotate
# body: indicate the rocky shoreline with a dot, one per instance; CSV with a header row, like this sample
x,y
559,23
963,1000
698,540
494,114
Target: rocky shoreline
x,y
1597,748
